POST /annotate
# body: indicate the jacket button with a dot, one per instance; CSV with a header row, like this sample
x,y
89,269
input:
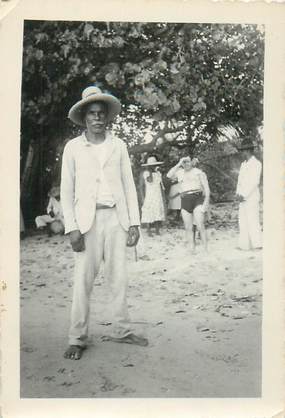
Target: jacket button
x,y
97,180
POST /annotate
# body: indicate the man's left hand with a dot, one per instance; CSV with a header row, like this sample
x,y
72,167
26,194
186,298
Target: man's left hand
x,y
133,236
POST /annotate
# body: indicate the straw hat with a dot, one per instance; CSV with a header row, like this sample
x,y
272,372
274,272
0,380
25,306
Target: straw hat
x,y
246,144
152,161
90,95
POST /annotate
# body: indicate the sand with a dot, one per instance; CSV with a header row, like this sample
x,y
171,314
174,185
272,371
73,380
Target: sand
x,y
201,314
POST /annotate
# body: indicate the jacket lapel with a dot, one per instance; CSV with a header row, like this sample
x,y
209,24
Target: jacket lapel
x,y
110,148
91,157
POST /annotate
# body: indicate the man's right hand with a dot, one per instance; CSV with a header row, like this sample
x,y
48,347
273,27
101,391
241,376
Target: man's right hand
x,y
182,161
77,241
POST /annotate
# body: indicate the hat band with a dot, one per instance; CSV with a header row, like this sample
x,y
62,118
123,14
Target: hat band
x,y
90,94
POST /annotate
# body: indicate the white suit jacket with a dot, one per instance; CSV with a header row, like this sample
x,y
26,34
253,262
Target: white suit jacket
x,y
249,178
80,178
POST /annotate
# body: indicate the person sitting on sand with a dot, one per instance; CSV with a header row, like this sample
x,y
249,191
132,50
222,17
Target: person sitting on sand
x,y
153,210
101,213
195,196
54,218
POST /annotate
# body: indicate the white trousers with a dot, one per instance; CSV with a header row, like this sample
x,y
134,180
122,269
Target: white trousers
x,y
43,220
106,240
249,224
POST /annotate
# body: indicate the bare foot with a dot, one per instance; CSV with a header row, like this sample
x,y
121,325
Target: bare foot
x,y
74,352
128,339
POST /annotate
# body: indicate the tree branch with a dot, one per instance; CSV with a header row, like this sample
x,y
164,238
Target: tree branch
x,y
215,167
152,145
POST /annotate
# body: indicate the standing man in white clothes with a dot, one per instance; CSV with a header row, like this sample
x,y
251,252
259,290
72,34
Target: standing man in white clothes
x,y
249,197
100,208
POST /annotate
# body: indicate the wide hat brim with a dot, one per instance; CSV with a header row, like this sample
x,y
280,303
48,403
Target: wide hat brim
x,y
113,105
148,164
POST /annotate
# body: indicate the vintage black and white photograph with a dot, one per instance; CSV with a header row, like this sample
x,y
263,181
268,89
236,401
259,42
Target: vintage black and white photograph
x,y
141,183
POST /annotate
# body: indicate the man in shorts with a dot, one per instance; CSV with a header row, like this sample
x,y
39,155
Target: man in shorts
x,y
195,196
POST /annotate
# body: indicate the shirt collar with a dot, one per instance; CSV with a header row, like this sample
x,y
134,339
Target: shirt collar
x,y
252,158
88,144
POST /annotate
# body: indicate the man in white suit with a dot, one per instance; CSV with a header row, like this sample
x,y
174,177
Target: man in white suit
x,y
249,197
101,214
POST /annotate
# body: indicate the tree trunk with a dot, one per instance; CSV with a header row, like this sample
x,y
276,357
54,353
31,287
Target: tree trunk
x,y
27,170
29,190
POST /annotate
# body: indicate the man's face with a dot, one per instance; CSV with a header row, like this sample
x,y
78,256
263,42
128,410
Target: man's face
x,y
246,154
96,117
187,164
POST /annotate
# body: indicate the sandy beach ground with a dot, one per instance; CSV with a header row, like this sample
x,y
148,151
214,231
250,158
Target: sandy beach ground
x,y
201,314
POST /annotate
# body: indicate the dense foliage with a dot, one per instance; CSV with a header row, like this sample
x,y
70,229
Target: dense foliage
x,y
179,84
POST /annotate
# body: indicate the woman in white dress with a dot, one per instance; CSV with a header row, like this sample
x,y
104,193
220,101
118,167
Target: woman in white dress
x,y
153,210
195,196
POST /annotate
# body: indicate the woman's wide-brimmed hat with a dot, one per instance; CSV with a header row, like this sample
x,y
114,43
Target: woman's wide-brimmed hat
x,y
152,161
246,144
90,95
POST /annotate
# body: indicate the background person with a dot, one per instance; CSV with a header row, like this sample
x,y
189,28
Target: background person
x,y
54,219
248,195
153,208
195,197
174,199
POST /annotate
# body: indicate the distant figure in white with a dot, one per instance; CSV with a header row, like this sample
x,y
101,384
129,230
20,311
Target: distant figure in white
x,y
54,217
153,211
195,197
248,195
